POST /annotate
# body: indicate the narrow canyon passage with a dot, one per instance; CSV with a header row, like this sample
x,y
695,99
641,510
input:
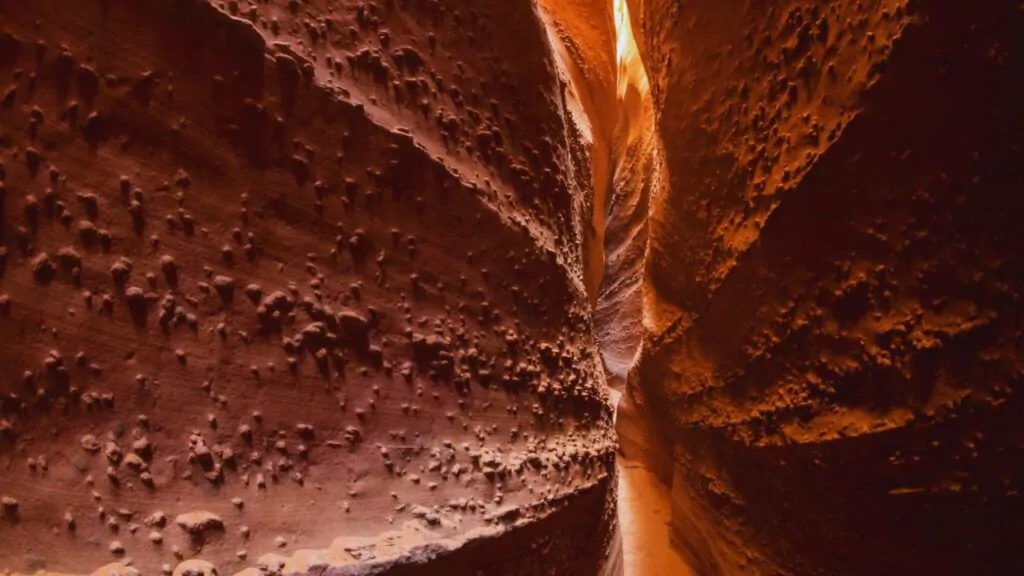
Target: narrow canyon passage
x,y
636,174
574,287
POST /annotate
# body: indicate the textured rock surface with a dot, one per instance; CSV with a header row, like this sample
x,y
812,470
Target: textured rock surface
x,y
282,275
834,282
289,286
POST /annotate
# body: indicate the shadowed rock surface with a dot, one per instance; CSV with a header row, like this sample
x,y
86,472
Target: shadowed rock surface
x,y
833,353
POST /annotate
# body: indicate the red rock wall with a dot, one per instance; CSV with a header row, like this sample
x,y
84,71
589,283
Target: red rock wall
x,y
306,269
835,283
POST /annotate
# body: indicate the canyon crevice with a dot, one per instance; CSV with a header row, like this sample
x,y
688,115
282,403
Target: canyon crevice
x,y
396,286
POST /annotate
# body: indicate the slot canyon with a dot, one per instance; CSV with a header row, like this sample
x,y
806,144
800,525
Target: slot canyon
x,y
511,287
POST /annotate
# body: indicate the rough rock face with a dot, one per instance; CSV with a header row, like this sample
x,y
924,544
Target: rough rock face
x,y
295,286
834,316
285,275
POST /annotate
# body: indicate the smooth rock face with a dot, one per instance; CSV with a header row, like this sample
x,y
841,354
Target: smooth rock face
x,y
834,283
303,277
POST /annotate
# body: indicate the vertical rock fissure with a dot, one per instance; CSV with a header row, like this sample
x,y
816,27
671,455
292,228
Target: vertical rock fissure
x,y
638,178
635,163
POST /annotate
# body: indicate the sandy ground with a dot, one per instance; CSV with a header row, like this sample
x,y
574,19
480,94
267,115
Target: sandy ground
x,y
644,516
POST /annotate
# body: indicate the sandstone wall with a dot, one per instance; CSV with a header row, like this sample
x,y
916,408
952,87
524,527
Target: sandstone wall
x,y
274,273
834,283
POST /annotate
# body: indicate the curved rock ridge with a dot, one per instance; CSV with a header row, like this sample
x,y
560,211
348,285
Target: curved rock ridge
x,y
415,549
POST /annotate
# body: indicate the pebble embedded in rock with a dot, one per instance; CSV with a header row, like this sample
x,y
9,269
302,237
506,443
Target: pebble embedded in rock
x,y
199,522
